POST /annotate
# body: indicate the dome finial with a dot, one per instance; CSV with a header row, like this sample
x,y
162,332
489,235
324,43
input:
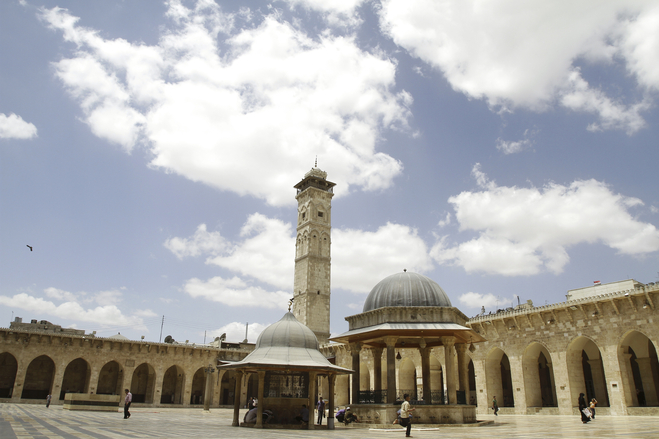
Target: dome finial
x,y
315,165
290,303
405,270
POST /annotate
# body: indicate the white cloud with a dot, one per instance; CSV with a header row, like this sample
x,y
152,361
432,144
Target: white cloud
x,y
523,231
236,292
366,257
477,300
55,293
14,127
248,119
108,315
235,331
266,253
512,147
336,12
515,53
446,221
201,242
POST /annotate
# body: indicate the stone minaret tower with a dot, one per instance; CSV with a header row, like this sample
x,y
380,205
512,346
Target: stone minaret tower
x,y
312,253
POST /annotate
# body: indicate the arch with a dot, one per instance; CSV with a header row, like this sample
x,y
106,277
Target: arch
x,y
586,371
436,381
173,383
406,379
76,378
538,376
8,369
364,377
198,387
228,388
143,383
637,355
39,378
471,373
110,379
498,378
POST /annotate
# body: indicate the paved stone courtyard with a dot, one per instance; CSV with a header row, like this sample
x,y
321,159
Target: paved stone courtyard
x,y
36,421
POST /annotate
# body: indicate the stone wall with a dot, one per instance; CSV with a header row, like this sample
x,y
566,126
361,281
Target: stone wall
x,y
33,365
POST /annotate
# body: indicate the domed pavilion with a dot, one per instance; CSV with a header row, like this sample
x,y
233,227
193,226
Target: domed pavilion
x,y
410,311
287,361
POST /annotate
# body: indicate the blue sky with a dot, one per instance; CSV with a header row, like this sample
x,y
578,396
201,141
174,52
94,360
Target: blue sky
x,y
148,152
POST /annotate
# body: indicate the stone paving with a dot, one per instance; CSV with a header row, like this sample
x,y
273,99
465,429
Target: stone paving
x,y
36,421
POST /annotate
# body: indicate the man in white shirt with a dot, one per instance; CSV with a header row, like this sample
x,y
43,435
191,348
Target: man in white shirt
x,y
127,401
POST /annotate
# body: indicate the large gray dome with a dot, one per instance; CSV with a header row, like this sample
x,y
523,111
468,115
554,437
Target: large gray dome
x,y
287,332
406,289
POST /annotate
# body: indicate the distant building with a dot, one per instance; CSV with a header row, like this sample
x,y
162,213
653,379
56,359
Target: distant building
x,y
43,326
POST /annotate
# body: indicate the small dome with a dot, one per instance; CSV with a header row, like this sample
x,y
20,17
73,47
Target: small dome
x,y
118,336
406,289
287,332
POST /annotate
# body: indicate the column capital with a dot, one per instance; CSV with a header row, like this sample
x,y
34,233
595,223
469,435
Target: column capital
x,y
448,341
355,347
376,351
461,348
390,341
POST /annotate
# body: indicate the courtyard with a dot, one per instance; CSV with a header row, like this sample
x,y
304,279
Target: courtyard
x,y
37,421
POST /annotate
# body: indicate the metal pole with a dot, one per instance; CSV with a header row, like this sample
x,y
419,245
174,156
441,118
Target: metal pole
x,y
161,325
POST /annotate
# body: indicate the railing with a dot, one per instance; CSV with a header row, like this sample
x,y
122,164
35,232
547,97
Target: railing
x,y
372,396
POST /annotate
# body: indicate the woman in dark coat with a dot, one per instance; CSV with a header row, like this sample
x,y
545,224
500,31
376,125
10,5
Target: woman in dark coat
x,y
582,405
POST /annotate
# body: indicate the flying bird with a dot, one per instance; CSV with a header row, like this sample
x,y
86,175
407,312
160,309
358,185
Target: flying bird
x,y
30,247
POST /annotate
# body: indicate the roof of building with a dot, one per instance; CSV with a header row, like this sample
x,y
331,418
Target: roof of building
x,y
286,344
406,289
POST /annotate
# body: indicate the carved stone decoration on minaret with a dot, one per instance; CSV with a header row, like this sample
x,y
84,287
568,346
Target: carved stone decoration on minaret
x,y
312,253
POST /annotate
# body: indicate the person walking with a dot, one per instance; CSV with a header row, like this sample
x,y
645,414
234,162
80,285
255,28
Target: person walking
x,y
48,398
495,406
405,415
321,410
583,408
593,403
127,401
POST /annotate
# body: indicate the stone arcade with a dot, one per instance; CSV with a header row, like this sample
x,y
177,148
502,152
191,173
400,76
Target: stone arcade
x,y
601,341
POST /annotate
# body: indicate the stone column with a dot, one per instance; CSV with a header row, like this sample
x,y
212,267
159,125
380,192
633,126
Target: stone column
x,y
56,385
391,369
377,369
259,393
313,393
21,370
355,349
599,382
463,368
560,382
517,378
449,356
330,412
482,395
208,393
236,399
425,372
617,379
645,369
157,389
92,378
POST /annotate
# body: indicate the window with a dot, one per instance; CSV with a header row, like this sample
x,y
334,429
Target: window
x,y
320,214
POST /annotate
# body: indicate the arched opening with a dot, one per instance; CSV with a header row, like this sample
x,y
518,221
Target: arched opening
x,y
8,369
198,387
406,379
436,381
539,377
76,378
110,379
499,379
228,388
38,378
471,397
172,386
143,383
364,377
639,356
586,372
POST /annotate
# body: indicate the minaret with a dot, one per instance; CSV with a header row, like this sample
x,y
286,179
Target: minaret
x,y
312,252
